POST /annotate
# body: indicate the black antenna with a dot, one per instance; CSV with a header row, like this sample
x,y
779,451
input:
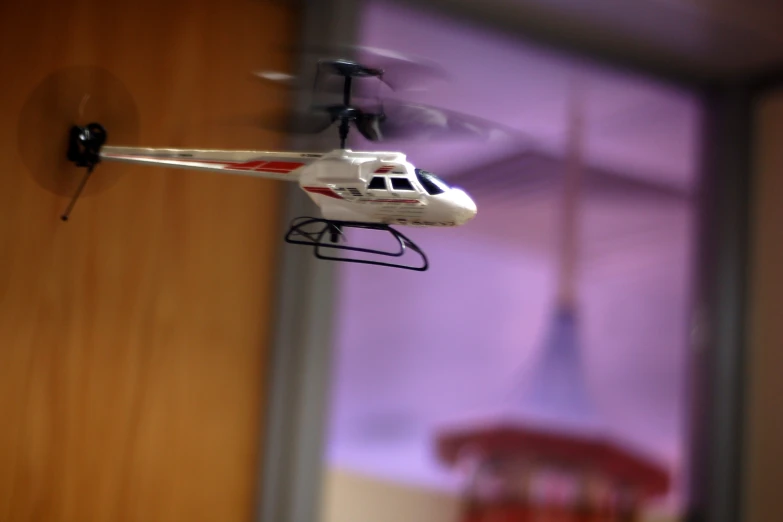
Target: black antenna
x,y
79,189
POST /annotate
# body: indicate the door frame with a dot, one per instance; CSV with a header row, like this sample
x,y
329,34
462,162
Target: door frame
x,y
295,413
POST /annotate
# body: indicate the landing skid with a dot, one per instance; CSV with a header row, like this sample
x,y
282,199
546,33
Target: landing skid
x,y
333,230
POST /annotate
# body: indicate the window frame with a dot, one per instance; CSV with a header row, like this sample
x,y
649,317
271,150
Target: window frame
x,y
291,482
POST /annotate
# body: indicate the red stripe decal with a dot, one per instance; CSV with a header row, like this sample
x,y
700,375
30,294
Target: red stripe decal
x,y
323,191
278,167
282,165
393,201
243,165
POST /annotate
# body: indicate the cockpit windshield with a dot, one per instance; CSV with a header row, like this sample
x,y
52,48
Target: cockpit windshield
x,y
431,183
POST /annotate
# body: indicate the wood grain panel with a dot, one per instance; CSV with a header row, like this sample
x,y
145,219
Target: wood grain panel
x,y
133,339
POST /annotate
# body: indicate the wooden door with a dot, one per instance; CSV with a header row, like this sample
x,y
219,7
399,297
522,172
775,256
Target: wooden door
x,y
134,338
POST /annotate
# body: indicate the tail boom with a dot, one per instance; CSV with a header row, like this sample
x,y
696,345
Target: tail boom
x,y
263,164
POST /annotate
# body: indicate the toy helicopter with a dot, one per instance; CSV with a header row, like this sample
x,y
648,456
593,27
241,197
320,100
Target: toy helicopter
x,y
353,189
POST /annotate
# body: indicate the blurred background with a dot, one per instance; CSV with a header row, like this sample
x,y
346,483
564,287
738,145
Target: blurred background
x,y
480,346
600,343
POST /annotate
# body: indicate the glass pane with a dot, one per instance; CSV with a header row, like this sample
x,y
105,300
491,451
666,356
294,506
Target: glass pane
x,y
401,184
377,183
431,183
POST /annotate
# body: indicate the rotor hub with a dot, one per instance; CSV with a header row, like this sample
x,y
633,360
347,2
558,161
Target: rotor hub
x,y
84,144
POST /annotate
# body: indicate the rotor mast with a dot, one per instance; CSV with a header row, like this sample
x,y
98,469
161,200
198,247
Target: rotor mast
x,y
345,124
346,113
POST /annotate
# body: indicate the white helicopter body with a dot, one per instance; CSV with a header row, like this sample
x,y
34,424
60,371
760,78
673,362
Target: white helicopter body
x,y
353,189
362,187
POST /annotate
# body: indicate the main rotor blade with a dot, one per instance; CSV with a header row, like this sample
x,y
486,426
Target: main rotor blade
x,y
288,122
402,72
414,121
365,88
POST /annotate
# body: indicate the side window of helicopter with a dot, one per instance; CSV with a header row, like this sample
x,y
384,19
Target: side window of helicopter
x,y
401,184
377,183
